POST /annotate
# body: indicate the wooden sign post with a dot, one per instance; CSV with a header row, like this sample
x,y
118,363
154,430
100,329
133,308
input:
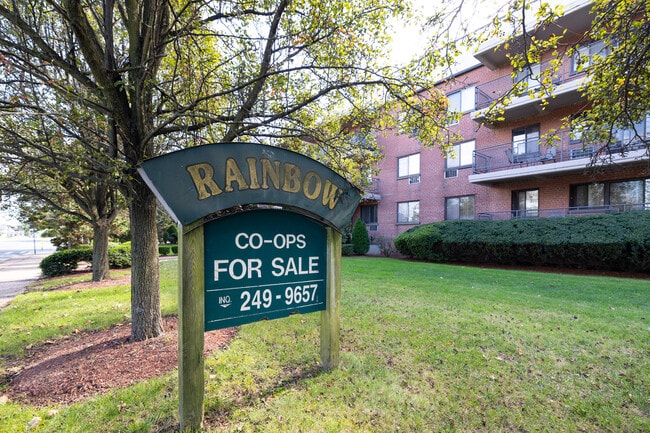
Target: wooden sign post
x,y
260,238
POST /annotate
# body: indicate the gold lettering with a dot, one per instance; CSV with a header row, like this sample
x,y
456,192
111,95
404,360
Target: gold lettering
x,y
233,174
202,175
313,194
252,173
331,194
291,178
269,171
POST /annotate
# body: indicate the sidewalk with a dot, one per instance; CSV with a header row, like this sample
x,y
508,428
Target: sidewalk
x,y
16,273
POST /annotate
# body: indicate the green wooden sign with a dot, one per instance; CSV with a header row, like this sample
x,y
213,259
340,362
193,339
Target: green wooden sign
x,y
239,267
263,264
198,181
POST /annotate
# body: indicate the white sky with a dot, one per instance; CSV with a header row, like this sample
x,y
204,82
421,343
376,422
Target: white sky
x,y
409,41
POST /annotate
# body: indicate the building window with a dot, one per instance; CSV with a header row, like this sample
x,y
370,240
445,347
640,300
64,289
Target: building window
x,y
626,194
633,134
525,203
529,75
629,192
585,55
408,166
408,212
462,101
459,208
588,195
369,216
525,141
577,125
460,155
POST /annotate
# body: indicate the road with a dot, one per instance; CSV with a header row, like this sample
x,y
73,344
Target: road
x,y
19,264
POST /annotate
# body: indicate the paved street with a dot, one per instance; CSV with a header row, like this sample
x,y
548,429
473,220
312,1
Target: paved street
x,y
19,264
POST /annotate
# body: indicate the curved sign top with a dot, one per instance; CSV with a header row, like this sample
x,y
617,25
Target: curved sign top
x,y
198,181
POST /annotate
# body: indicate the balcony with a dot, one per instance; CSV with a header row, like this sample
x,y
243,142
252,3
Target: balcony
x,y
577,19
567,84
372,191
510,161
563,212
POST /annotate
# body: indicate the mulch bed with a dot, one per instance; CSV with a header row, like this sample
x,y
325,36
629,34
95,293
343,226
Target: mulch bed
x,y
85,364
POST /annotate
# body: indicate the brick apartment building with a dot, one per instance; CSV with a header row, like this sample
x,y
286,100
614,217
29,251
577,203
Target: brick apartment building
x,y
503,169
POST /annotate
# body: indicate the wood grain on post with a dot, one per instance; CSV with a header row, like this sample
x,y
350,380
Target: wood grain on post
x,y
191,325
330,330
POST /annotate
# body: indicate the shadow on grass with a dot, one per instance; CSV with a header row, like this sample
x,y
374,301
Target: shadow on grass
x,y
218,410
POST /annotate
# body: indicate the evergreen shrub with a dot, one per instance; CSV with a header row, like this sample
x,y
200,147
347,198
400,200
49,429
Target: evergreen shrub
x,y
421,242
360,238
65,261
609,242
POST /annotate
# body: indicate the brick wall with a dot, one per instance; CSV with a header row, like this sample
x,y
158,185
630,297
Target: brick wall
x,y
433,188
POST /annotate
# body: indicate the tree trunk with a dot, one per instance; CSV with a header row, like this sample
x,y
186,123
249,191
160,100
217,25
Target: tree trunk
x,y
146,321
100,250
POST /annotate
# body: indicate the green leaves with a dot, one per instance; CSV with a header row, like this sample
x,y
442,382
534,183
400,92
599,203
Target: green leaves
x,y
611,242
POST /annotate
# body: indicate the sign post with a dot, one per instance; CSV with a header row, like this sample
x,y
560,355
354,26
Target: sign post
x,y
190,328
260,238
330,325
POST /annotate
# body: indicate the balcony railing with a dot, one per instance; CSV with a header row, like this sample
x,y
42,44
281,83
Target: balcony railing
x,y
490,91
372,190
563,212
511,155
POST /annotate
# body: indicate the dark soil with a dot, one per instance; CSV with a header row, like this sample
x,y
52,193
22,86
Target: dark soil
x,y
89,363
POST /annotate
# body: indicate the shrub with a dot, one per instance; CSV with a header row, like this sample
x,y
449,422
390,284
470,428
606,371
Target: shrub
x,y
347,250
170,235
120,256
421,242
386,247
65,261
609,242
360,238
164,250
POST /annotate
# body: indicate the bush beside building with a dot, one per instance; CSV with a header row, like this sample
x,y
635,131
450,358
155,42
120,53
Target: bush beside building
x,y
617,242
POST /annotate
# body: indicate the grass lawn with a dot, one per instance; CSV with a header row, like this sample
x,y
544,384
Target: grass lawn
x,y
425,348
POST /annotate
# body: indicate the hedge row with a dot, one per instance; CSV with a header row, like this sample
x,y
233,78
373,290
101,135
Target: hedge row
x,y
167,250
65,261
618,242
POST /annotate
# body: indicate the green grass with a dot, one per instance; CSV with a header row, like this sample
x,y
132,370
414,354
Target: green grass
x,y
45,313
424,348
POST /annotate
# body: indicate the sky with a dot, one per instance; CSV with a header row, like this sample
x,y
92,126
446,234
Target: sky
x,y
408,39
